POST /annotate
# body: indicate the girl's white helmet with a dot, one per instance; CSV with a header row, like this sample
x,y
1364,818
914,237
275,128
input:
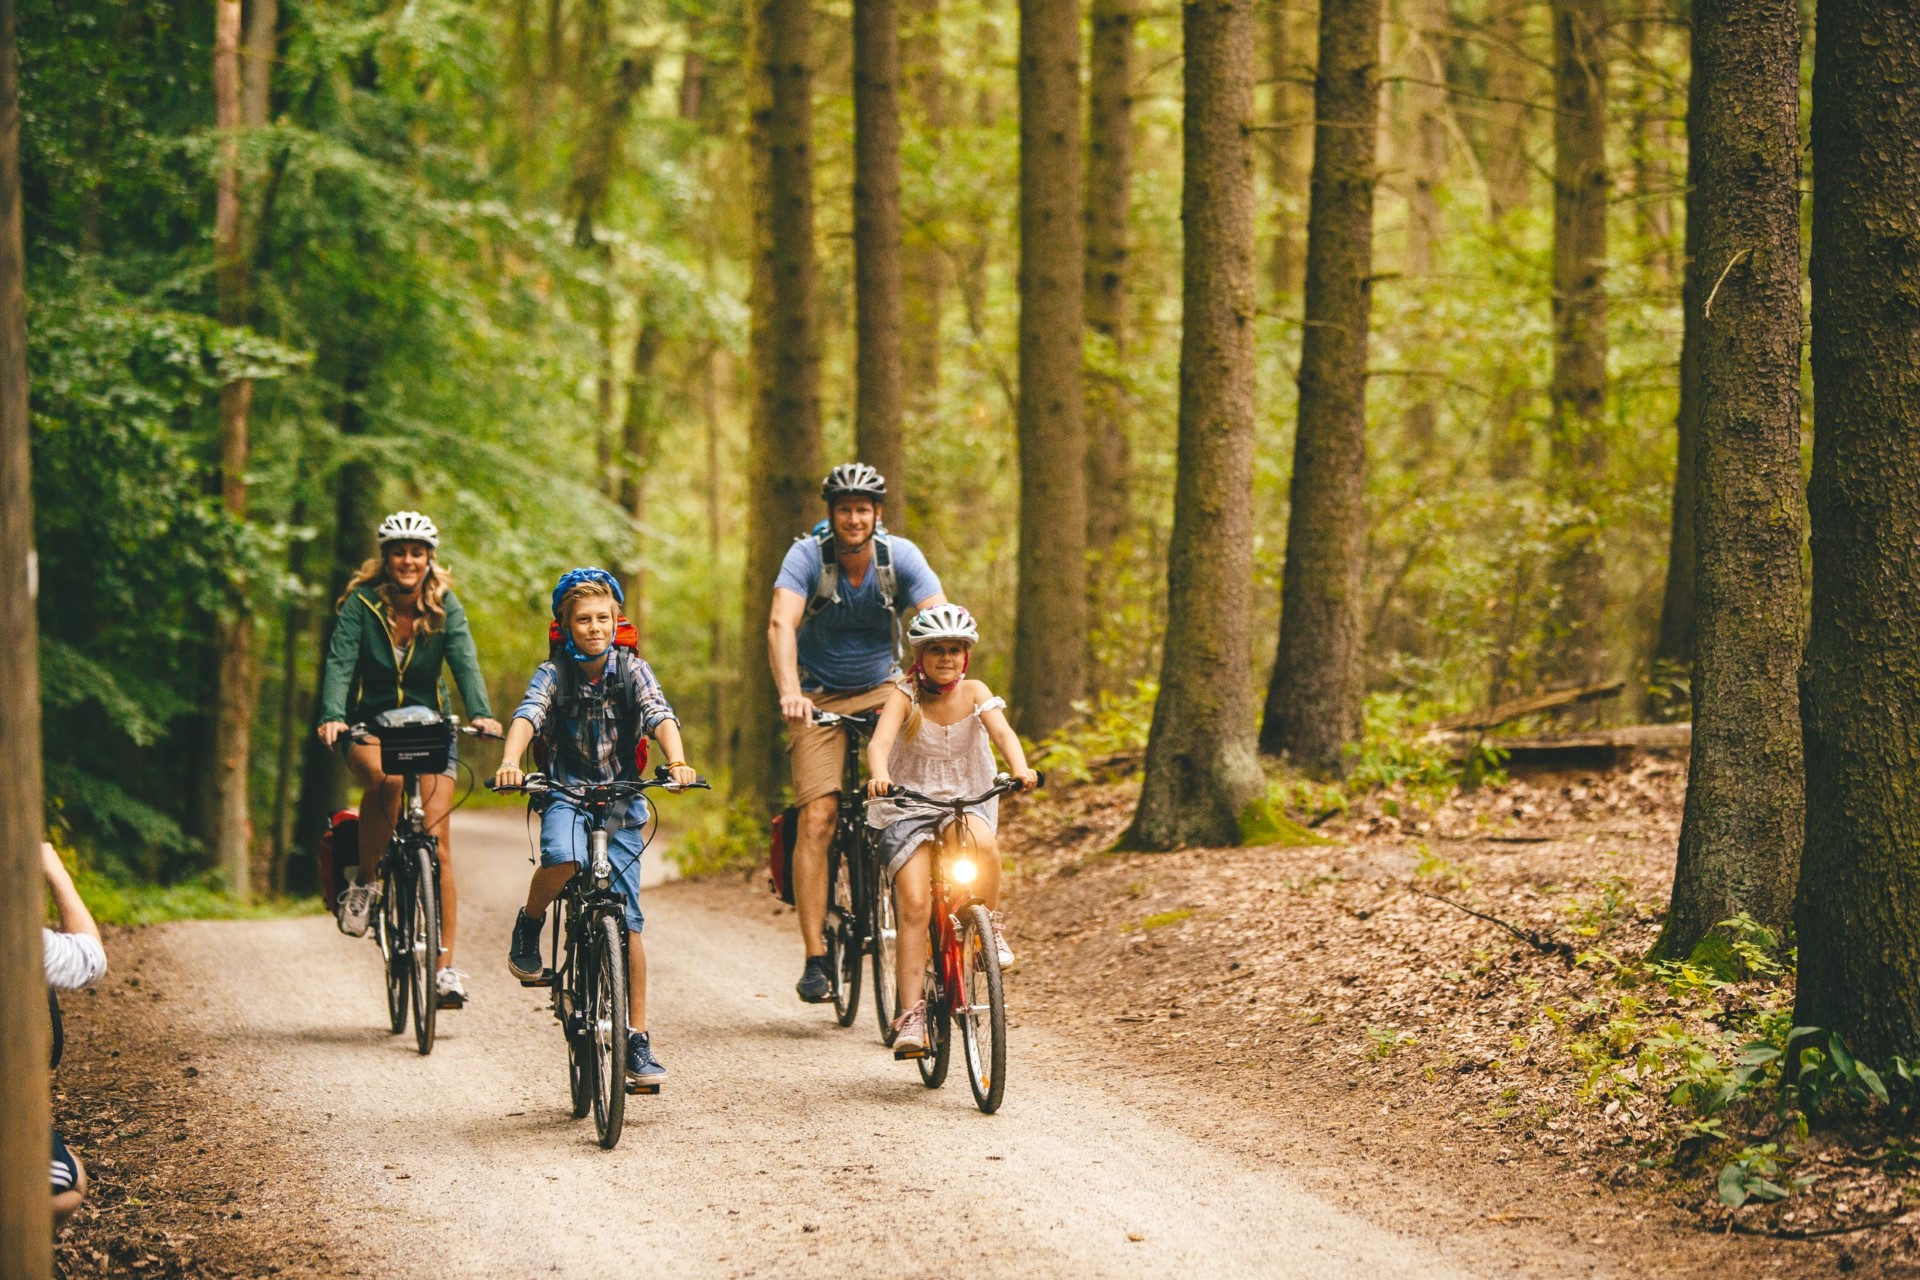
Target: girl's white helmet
x,y
408,526
942,622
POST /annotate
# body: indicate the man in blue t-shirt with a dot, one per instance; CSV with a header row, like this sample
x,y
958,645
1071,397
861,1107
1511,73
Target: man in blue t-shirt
x,y
839,659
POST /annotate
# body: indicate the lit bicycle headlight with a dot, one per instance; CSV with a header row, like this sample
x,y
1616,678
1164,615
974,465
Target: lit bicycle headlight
x,y
964,871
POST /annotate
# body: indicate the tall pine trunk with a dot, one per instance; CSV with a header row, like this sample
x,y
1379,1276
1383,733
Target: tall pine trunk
x,y
1313,699
1744,823
783,425
1421,139
26,1216
878,403
1109,186
1673,647
1859,910
230,833
1202,766
923,267
1577,653
1281,143
1050,634
636,424
1506,136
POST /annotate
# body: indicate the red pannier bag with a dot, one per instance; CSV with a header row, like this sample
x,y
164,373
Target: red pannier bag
x,y
339,849
786,828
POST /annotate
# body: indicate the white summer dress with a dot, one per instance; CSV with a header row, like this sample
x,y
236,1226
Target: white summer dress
x,y
944,761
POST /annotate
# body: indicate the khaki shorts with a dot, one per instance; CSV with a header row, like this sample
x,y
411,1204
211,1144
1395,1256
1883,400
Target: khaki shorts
x,y
817,753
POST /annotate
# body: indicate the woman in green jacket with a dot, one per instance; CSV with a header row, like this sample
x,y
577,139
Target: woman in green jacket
x,y
399,623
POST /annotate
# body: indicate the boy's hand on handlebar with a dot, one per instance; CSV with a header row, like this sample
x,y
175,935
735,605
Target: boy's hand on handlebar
x,y
878,786
796,707
330,731
508,775
683,775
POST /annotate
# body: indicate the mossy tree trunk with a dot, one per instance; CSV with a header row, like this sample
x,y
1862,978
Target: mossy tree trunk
x,y
1313,700
1741,834
1859,910
1202,766
878,403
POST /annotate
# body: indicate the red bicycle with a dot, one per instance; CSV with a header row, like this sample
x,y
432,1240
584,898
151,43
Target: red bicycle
x,y
963,966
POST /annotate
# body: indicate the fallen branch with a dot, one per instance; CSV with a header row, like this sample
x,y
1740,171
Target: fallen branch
x,y
1539,942
1533,704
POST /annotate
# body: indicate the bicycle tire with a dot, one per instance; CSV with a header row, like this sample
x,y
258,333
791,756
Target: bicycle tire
x,y
939,1056
426,947
607,1024
980,962
886,954
579,1053
843,937
395,949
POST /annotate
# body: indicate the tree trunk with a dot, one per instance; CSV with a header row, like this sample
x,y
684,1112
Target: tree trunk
x,y
1050,635
1745,816
231,828
716,626
293,634
876,248
1281,143
258,58
1423,126
1506,159
641,412
26,1216
1577,653
1202,766
1109,185
1673,650
784,423
1313,700
923,267
1859,910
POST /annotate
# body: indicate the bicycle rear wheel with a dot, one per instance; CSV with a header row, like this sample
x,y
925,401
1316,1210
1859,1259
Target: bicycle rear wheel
x,y
939,1055
982,1007
843,935
607,1028
396,950
886,954
424,954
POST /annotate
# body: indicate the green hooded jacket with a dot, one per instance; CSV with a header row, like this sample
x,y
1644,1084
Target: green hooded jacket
x,y
365,677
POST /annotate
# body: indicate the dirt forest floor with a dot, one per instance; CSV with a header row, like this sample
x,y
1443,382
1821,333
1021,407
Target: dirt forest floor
x,y
1312,1007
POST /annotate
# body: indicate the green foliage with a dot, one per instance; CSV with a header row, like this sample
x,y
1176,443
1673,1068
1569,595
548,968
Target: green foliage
x,y
1161,919
203,897
1108,725
720,840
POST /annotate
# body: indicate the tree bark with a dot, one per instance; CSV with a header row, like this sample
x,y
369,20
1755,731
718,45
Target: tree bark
x,y
231,833
1859,910
1284,128
1673,649
1506,160
923,267
1202,765
783,426
1050,634
26,1215
1744,822
1579,391
642,411
878,404
1313,700
1423,144
1109,187
294,632
258,58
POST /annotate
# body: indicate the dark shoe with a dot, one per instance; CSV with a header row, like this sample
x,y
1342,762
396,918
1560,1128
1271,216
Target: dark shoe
x,y
816,983
523,956
641,1067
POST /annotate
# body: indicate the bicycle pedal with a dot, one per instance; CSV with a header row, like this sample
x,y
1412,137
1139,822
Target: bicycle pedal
x,y
908,1055
634,1086
544,980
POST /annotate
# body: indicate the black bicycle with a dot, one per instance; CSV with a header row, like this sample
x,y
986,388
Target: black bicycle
x,y
414,741
859,920
588,976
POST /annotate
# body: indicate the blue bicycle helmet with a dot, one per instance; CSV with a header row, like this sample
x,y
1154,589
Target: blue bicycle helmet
x,y
574,577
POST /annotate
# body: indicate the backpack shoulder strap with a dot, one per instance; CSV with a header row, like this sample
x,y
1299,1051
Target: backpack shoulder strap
x,y
883,565
826,588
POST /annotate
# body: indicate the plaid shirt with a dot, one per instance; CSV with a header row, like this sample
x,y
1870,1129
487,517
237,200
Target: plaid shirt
x,y
587,743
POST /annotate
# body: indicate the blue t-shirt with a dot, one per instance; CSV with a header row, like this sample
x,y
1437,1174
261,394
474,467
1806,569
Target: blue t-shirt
x,y
849,646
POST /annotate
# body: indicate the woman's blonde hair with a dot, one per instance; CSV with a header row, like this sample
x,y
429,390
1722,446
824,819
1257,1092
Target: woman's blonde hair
x,y
433,590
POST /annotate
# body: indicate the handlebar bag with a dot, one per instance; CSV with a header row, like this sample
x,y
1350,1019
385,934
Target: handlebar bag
x,y
415,740
785,830
339,849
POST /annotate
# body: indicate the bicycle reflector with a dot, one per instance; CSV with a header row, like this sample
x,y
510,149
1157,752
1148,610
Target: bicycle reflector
x,y
964,871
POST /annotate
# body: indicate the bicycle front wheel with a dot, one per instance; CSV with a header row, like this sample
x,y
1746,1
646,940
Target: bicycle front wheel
x,y
396,950
573,1026
607,1025
425,950
982,1009
939,1055
886,955
843,936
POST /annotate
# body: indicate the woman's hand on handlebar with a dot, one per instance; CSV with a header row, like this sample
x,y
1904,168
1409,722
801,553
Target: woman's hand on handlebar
x,y
878,786
487,727
508,775
330,731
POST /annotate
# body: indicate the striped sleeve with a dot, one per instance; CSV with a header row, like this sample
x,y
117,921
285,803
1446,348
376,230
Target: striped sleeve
x,y
73,960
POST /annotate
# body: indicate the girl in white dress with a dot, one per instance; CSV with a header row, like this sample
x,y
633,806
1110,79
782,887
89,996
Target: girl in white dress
x,y
933,737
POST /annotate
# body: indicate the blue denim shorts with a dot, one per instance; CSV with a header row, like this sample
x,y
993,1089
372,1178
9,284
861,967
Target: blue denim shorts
x,y
563,838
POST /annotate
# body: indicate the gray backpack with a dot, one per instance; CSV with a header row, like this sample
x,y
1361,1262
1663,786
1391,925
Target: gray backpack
x,y
826,590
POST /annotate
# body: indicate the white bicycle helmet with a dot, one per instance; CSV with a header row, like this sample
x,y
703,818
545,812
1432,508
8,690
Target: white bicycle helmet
x,y
942,622
854,479
408,526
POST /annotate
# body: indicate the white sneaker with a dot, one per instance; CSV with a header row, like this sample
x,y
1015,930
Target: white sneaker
x,y
450,988
357,904
1007,958
910,1032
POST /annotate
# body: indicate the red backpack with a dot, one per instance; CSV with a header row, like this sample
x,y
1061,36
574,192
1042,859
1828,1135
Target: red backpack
x,y
625,636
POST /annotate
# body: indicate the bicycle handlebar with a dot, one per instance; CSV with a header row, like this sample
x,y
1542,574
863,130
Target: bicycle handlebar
x,y
1003,784
539,784
362,732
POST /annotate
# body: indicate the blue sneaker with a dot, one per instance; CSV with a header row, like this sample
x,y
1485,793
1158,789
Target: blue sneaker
x,y
523,954
641,1066
816,981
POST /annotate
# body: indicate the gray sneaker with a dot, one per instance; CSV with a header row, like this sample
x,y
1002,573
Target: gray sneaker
x,y
357,905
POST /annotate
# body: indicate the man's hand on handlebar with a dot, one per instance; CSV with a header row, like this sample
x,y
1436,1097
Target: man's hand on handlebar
x,y
796,707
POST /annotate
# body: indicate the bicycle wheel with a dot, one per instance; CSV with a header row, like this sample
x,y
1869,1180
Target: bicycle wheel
x,y
886,988
607,1028
425,949
843,936
396,952
982,1010
939,1055
579,1057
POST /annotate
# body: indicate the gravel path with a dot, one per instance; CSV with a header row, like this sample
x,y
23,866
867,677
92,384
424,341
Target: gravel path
x,y
781,1146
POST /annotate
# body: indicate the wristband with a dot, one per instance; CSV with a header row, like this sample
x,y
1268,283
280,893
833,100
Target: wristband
x,y
678,764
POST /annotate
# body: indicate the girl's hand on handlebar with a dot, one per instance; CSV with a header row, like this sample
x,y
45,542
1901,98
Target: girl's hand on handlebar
x,y
1027,778
508,775
878,786
488,726
330,731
